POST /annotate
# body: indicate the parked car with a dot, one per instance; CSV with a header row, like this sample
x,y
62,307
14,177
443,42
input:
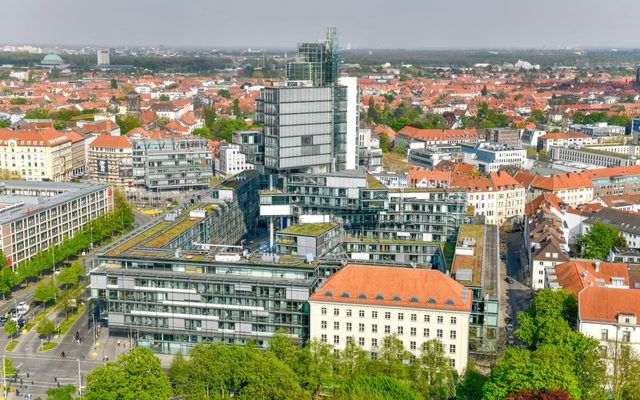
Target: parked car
x,y
509,280
23,307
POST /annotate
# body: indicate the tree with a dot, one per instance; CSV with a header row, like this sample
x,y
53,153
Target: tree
x,y
624,378
236,107
5,123
38,113
161,122
10,328
61,393
223,128
372,112
204,131
431,374
538,116
553,394
470,386
484,91
520,369
599,240
353,362
552,312
391,358
178,373
69,275
209,116
114,83
128,123
320,365
378,387
46,327
45,292
135,375
18,100
164,97
385,143
224,93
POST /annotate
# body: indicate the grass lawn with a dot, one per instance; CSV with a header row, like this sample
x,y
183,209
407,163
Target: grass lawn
x,y
12,345
395,162
48,346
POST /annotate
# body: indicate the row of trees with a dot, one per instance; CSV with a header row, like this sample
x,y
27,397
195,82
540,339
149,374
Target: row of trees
x,y
97,230
558,359
285,371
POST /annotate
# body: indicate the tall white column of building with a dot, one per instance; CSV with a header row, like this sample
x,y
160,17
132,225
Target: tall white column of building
x,y
353,117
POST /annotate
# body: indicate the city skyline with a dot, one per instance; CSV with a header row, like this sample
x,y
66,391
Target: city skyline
x,y
501,24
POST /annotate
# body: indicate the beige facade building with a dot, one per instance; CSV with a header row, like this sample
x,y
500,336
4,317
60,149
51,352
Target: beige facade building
x,y
111,160
43,155
366,303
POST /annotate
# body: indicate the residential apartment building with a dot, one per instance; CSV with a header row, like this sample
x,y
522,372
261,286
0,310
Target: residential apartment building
x,y
364,304
572,188
230,160
172,163
610,315
417,138
614,181
627,223
36,215
431,156
42,155
564,139
577,274
111,160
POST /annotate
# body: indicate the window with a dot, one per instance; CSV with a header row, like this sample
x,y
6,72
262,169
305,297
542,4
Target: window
x,y
336,312
348,326
439,333
361,313
425,332
454,320
323,324
361,342
400,316
387,329
360,327
452,335
323,338
400,330
374,328
374,342
413,331
440,319
336,339
112,281
604,334
452,363
427,318
412,345
323,311
414,317
626,336
348,312
387,315
336,325
374,314
452,349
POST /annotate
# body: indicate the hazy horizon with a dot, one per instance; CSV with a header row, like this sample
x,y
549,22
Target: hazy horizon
x,y
409,25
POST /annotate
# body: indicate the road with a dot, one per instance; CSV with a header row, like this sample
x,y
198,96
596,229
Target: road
x,y
518,293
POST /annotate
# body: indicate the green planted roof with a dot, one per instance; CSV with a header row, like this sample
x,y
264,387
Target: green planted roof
x,y
308,229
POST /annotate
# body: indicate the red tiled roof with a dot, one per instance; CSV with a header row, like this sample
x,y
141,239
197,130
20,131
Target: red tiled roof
x,y
46,137
413,286
571,274
115,142
604,304
564,135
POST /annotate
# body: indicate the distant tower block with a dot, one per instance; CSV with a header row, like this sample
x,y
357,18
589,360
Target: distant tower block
x,y
133,104
103,57
637,77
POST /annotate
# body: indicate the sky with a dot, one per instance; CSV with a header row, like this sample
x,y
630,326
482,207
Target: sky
x,y
364,24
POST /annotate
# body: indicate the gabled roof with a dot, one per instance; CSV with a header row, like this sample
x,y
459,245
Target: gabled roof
x,y
46,137
602,304
393,286
624,221
546,200
551,246
575,275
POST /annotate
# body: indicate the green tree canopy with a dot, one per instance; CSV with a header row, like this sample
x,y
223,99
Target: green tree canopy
x,y
128,123
61,393
136,375
46,327
431,374
10,329
45,292
378,387
599,240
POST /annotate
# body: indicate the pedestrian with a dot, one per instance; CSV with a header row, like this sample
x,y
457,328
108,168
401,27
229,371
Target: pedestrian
x,y
118,343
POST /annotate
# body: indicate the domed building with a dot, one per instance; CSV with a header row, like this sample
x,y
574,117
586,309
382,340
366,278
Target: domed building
x,y
52,60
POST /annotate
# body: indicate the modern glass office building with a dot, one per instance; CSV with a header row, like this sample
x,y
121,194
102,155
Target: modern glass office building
x,y
317,62
172,163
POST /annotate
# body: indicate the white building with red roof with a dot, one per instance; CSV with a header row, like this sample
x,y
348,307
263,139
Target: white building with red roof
x,y
366,303
111,160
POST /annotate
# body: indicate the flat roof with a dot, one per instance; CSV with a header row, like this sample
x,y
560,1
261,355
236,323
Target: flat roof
x,y
473,262
26,204
308,229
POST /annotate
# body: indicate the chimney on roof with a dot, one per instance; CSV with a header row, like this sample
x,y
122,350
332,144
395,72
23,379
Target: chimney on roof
x,y
585,273
597,266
